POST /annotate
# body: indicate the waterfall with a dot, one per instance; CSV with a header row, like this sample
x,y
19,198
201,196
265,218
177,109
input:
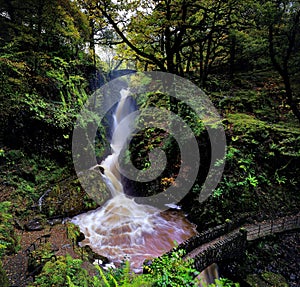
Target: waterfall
x,y
121,228
40,201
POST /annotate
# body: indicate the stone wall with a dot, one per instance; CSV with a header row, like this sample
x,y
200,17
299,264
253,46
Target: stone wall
x,y
231,246
255,231
206,236
227,241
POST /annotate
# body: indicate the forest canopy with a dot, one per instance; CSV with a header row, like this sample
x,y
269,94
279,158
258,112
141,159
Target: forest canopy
x,y
245,55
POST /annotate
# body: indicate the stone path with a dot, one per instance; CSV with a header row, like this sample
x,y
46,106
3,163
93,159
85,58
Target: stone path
x,y
16,265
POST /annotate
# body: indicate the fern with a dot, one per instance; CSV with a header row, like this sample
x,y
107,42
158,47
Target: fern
x,y
8,239
102,276
113,280
70,283
126,273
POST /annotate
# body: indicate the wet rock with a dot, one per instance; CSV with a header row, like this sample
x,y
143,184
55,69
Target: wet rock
x,y
80,237
66,246
35,224
55,221
92,256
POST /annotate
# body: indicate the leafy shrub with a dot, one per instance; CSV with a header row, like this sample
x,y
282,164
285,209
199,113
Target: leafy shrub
x,y
3,278
63,272
166,271
169,270
123,277
8,239
30,175
173,270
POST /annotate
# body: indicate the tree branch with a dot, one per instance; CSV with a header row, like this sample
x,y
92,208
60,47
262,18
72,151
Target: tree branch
x,y
126,40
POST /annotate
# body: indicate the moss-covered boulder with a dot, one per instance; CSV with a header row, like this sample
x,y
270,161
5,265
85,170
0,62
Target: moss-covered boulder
x,y
266,279
68,198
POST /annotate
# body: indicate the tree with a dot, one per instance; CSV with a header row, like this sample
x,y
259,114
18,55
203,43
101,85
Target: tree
x,y
36,32
281,21
42,64
177,36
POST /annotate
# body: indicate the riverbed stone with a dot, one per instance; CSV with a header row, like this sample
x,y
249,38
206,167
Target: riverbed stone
x,y
92,256
54,221
35,224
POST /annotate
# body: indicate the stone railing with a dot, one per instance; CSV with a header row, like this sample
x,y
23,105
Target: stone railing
x,y
227,241
206,236
230,246
220,243
255,231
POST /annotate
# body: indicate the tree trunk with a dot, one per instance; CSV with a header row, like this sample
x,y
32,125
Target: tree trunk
x,y
283,71
289,95
232,56
92,41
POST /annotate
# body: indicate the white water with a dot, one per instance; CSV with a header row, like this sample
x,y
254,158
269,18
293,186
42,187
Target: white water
x,y
122,228
40,201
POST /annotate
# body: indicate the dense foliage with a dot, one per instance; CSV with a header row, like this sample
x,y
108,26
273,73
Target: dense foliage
x,y
244,54
170,271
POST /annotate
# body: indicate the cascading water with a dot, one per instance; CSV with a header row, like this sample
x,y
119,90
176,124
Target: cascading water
x,y
122,228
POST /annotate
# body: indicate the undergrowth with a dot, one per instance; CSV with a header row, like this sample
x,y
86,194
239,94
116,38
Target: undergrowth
x,y
165,271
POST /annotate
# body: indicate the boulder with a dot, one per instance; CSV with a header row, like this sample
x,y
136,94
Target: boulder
x,y
35,224
67,198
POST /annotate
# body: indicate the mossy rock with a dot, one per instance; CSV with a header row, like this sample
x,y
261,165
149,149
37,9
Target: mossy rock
x,y
278,139
275,280
38,257
92,256
266,279
68,198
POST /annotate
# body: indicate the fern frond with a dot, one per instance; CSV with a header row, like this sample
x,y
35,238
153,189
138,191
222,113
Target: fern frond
x,y
102,276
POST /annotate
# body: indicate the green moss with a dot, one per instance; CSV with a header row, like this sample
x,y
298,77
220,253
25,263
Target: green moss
x,y
275,280
68,198
255,281
266,279
3,277
9,242
280,138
